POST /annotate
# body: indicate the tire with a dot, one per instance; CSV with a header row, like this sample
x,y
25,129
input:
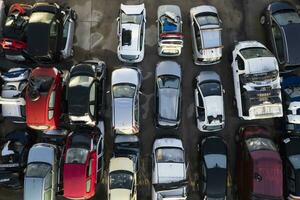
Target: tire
x,y
262,20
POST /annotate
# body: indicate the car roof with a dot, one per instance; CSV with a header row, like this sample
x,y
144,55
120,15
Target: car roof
x,y
291,33
133,9
74,180
121,163
42,152
123,113
33,188
125,75
168,68
213,145
267,173
132,32
281,5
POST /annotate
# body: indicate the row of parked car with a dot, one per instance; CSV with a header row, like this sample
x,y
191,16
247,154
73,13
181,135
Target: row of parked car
x,y
68,107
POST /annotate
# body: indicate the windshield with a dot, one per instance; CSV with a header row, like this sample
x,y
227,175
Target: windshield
x,y
261,77
41,83
41,17
120,180
124,91
84,81
76,156
207,19
134,19
295,160
255,52
287,17
254,144
38,170
215,161
165,155
168,82
210,89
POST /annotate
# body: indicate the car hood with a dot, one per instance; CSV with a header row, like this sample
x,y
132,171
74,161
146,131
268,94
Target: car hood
x,y
74,180
119,194
168,103
214,105
33,188
170,172
123,113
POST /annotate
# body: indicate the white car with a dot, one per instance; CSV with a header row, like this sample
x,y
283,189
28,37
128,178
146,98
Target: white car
x,y
209,102
256,81
122,179
168,170
131,33
12,95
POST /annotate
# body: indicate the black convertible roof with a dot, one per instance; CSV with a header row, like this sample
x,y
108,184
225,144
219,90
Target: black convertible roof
x,y
292,32
82,69
38,39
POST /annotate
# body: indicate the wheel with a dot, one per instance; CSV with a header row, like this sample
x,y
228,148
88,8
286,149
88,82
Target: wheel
x,y
262,20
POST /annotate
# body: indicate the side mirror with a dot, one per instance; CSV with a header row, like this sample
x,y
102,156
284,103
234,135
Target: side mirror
x,y
223,91
107,92
141,93
117,19
220,21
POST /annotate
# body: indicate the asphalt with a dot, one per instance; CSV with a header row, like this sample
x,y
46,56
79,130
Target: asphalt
x,y
96,38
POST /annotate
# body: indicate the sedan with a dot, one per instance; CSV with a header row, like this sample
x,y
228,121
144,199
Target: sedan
x,y
125,89
206,35
209,102
85,92
282,23
168,94
214,168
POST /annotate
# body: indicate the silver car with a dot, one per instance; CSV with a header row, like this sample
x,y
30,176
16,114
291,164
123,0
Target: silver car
x,y
125,87
12,95
206,35
168,94
209,102
41,177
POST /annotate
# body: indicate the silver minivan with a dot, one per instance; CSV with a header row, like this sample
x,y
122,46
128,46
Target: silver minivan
x,y
41,176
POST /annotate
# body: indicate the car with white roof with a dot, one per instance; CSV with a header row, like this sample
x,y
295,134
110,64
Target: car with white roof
x,y
12,95
209,102
125,89
206,35
168,170
131,33
42,172
256,81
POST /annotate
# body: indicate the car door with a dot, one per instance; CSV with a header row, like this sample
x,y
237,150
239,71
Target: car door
x,y
196,34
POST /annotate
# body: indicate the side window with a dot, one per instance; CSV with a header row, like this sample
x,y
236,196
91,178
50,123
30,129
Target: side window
x,y
47,186
136,111
89,168
203,173
53,29
92,98
200,109
290,178
197,35
278,41
240,63
141,36
51,105
100,153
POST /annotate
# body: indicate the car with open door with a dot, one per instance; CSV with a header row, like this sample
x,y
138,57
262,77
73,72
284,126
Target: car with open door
x,y
259,166
168,94
125,90
41,179
206,28
83,162
209,102
43,98
169,25
282,24
86,92
14,152
169,169
213,168
50,32
12,98
131,33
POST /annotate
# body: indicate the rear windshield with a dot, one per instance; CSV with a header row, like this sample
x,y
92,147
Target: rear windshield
x,y
207,19
255,52
38,170
133,19
120,180
168,82
41,83
215,161
124,91
254,144
166,155
287,17
210,89
76,156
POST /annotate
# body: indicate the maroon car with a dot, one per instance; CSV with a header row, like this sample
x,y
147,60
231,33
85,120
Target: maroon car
x,y
259,165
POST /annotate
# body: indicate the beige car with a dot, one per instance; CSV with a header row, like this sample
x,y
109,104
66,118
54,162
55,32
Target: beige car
x,y
122,179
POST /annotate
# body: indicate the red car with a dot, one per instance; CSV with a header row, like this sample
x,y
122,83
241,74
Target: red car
x,y
43,98
83,163
259,165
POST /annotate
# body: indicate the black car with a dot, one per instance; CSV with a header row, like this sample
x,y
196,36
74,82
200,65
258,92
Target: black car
x,y
14,152
85,92
214,167
290,153
50,32
282,24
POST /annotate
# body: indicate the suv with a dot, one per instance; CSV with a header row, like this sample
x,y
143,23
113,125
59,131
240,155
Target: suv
x,y
282,23
125,89
12,95
14,152
206,35
209,102
131,33
43,98
85,92
259,165
256,81
168,170
83,163
169,25
42,173
168,94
